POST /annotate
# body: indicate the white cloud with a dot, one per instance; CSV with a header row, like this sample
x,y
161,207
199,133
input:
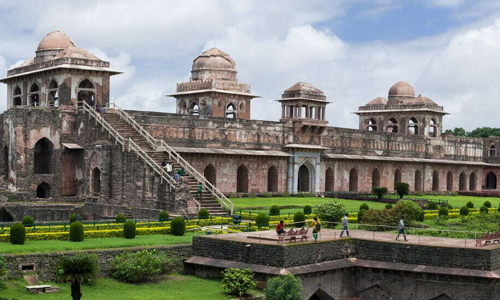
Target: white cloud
x,y
446,3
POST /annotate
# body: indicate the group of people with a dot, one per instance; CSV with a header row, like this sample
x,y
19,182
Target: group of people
x,y
169,168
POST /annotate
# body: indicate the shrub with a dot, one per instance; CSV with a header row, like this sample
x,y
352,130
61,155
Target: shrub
x,y
432,205
443,212
76,232
178,226
483,209
402,189
140,266
28,221
163,216
262,220
267,195
385,217
364,206
330,211
487,204
470,204
464,211
360,214
203,214
379,191
284,287
274,210
300,195
388,206
410,210
286,194
72,218
121,218
420,194
129,230
237,281
252,195
77,269
299,218
17,234
308,209
453,193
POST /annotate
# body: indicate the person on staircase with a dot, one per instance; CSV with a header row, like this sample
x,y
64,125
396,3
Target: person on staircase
x,y
181,172
199,192
169,168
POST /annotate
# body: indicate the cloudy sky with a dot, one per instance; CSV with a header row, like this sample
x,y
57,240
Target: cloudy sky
x,y
353,50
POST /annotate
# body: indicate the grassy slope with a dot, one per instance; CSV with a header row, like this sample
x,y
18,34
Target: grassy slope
x,y
115,242
459,201
175,287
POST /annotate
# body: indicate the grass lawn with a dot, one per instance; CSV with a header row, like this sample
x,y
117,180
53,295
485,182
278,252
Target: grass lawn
x,y
459,201
97,243
170,287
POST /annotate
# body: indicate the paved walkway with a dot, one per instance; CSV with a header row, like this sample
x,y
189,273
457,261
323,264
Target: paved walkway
x,y
269,237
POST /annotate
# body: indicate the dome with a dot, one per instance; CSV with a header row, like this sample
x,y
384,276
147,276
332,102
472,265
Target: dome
x,y
377,101
213,59
76,52
401,89
55,40
304,90
420,100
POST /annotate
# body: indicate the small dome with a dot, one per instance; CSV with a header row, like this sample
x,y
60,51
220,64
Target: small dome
x,y
420,100
55,40
76,52
402,89
213,59
304,90
377,101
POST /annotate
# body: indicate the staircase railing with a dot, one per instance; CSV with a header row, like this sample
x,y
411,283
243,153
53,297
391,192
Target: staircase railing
x,y
130,145
161,145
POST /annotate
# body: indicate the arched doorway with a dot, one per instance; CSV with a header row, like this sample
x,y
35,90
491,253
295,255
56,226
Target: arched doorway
x,y
320,295
35,95
5,216
43,190
449,181
272,179
231,111
242,179
17,97
304,179
194,109
462,182
435,181
86,93
473,182
43,156
210,174
376,178
397,177
53,94
329,180
418,181
96,181
491,181
353,180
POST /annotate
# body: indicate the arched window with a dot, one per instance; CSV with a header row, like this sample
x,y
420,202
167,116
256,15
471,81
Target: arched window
x,y
392,125
418,181
86,93
491,181
432,128
95,186
353,180
397,177
17,97
449,181
493,151
304,179
43,156
194,109
43,190
210,174
435,181
35,95
86,84
413,126
372,125
462,182
53,94
376,178
242,179
329,180
473,181
272,179
231,111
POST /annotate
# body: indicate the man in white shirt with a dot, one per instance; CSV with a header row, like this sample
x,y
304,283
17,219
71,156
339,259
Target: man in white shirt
x,y
345,223
402,229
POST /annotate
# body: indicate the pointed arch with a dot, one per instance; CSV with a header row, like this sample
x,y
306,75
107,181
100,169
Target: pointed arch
x,y
473,181
432,128
449,181
17,96
329,180
435,181
442,297
43,157
304,179
272,179
413,126
242,179
353,180
376,178
372,125
210,174
86,92
397,177
53,93
34,94
86,84
231,111
418,181
462,182
43,190
392,125
6,215
493,150
95,185
320,295
194,109
491,181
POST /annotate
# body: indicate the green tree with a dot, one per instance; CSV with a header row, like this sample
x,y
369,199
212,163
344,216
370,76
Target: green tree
x,y
410,210
237,281
330,211
379,191
284,287
77,269
457,131
402,189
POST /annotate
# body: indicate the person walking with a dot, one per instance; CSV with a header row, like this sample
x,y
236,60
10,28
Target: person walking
x,y
345,223
169,168
199,192
402,229
316,226
163,164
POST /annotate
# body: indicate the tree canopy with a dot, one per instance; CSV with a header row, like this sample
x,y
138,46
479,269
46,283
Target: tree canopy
x,y
478,132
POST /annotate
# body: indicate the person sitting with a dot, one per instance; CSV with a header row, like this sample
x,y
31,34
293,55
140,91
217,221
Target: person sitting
x,y
177,177
280,228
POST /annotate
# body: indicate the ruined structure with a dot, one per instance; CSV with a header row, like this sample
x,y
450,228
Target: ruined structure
x,y
59,150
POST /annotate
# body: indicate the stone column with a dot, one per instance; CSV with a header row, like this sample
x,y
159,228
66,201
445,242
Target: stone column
x,y
290,171
323,113
283,110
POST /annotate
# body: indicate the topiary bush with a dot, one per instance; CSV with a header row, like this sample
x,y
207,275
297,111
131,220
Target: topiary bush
x,y
129,230
299,218
483,209
163,216
28,221
364,206
470,204
262,220
308,210
274,210
443,212
203,214
121,218
178,226
389,206
72,218
432,205
284,287
379,191
330,211
487,204
464,211
237,281
402,189
141,266
76,232
17,234
410,210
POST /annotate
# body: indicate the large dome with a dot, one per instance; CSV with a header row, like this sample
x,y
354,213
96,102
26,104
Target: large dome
x,y
213,59
55,40
401,89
